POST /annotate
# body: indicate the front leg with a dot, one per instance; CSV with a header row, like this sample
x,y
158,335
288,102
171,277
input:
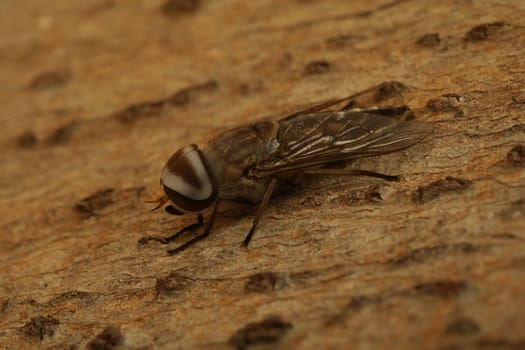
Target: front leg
x,y
166,240
200,237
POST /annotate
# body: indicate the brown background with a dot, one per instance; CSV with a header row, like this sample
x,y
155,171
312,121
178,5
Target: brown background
x,y
95,96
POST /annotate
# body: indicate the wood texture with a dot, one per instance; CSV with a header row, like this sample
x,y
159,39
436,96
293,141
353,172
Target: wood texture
x,y
95,96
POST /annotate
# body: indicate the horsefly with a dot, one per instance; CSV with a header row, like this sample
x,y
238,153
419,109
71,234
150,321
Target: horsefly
x,y
251,162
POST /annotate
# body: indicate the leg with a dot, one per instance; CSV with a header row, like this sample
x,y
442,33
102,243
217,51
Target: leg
x,y
200,237
166,240
260,210
351,172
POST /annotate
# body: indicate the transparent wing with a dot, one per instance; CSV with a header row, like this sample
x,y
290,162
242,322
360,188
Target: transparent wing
x,y
315,139
366,97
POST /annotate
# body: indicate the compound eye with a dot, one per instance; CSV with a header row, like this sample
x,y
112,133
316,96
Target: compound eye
x,y
170,209
188,181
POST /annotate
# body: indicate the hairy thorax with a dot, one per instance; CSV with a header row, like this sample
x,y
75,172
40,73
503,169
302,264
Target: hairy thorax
x,y
235,153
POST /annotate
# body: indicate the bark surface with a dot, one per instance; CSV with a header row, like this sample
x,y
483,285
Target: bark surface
x,y
95,97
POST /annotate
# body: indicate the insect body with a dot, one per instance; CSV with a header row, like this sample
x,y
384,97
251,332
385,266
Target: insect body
x,y
246,163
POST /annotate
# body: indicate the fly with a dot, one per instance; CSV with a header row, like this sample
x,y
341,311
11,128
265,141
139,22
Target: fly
x,y
249,163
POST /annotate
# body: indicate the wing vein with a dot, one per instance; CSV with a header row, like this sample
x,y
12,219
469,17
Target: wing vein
x,y
316,139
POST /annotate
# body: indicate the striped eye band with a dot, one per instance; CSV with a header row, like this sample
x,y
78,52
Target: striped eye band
x,y
188,181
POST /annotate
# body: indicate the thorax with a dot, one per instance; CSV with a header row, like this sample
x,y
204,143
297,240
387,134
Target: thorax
x,y
232,155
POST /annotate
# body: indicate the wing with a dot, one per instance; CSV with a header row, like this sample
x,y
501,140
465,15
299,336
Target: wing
x,y
316,139
366,97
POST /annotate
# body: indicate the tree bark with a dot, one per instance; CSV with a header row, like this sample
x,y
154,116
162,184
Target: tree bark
x,y
96,97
